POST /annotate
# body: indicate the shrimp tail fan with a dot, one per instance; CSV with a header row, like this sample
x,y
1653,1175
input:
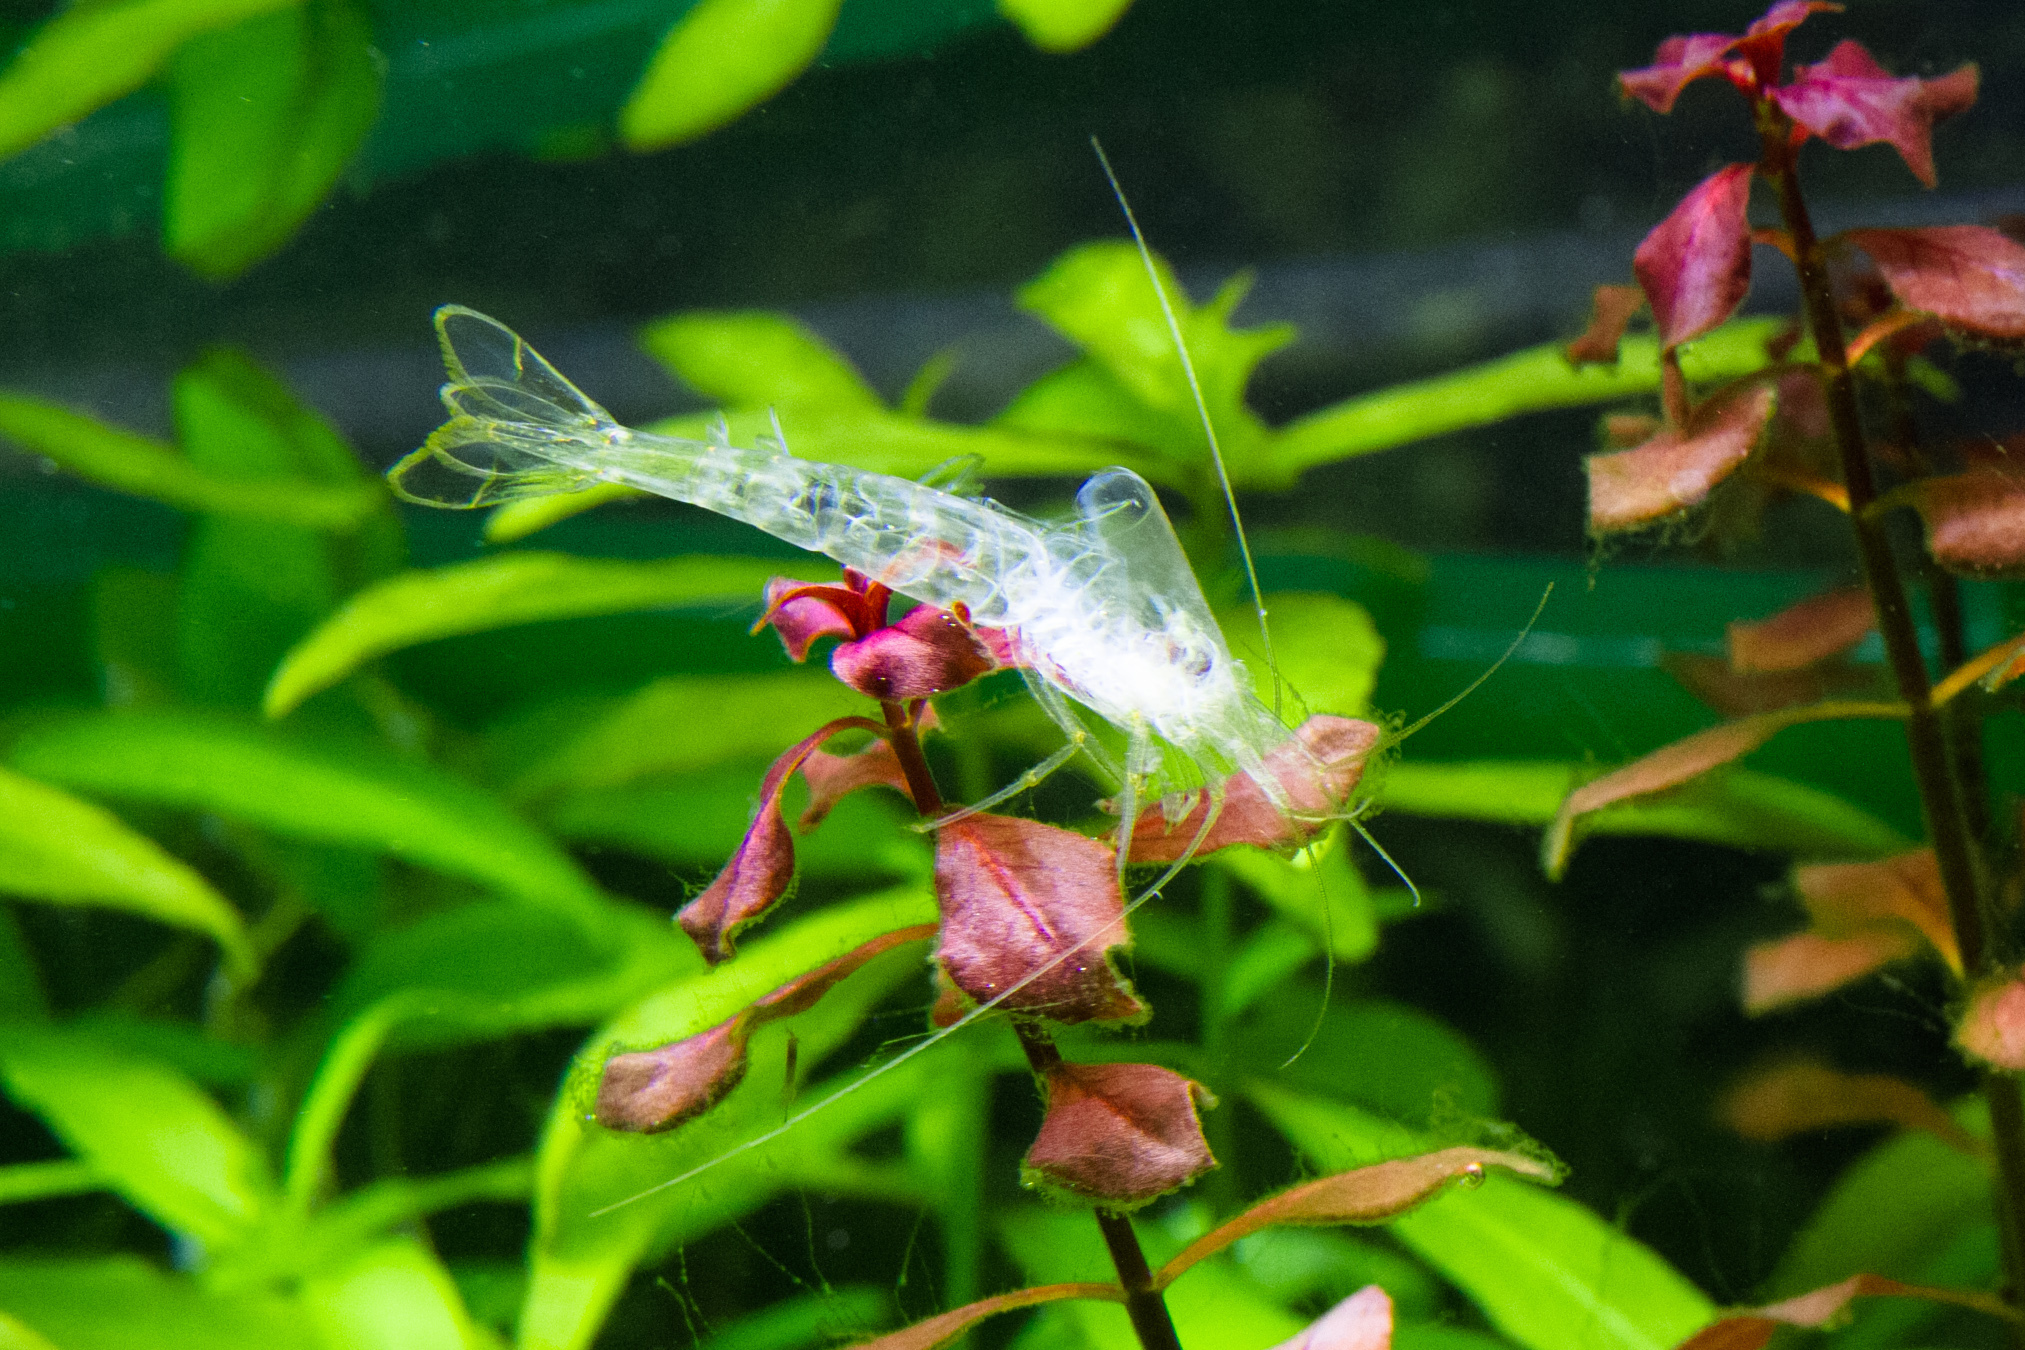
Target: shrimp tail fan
x,y
517,427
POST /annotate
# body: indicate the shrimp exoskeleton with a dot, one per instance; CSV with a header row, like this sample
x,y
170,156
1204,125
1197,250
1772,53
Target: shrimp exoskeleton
x,y
1103,609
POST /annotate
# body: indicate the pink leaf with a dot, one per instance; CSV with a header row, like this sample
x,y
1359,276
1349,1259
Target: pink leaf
x,y
1317,770
1679,62
1680,466
930,651
1976,520
1610,310
1362,1321
1802,1096
1844,897
1034,909
804,611
1695,266
1970,277
1753,1328
1796,637
648,1091
1119,1134
831,778
1993,1025
1808,965
1850,100
1710,679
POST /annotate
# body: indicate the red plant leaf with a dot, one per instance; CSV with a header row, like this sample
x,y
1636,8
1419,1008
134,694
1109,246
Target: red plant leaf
x,y
800,994
1844,897
804,611
945,1327
1609,311
1679,467
1993,1025
1796,637
1975,521
1671,765
1750,62
1695,266
1367,1195
1033,909
930,651
1317,770
831,778
1850,100
1753,1328
1802,1096
1362,1321
648,1091
1993,668
1807,965
1970,277
762,869
1710,679
1119,1134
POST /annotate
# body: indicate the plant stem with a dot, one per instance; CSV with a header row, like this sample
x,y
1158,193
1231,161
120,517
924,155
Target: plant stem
x,y
1143,1303
1926,735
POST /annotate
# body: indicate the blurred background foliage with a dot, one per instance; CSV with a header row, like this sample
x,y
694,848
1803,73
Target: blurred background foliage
x,y
343,955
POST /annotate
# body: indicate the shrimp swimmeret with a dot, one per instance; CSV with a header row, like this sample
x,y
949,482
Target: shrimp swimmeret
x,y
1103,609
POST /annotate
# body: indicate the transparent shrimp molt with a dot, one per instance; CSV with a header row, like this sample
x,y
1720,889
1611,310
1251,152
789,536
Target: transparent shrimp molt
x,y
1102,609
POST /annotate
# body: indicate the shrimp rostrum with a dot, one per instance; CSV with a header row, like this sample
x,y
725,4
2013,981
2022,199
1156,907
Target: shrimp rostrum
x,y
1102,610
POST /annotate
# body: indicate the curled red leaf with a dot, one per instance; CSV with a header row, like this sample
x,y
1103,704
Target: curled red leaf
x,y
1610,310
1975,521
1695,266
1796,637
1970,277
804,611
1679,62
1679,467
1031,911
1807,965
1850,100
831,778
1801,1096
1993,1025
648,1091
1119,1134
929,651
1362,1321
1753,1328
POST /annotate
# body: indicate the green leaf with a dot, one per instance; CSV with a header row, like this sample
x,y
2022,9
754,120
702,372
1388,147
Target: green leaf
x,y
151,1134
1389,1057
1327,649
514,588
125,462
722,58
1317,890
1546,1271
89,55
134,628
342,796
1533,380
756,359
911,447
265,116
394,1295
531,515
1064,25
353,1221
56,848
99,1303
42,1180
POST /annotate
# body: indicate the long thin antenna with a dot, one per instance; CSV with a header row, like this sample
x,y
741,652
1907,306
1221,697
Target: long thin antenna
x,y
1202,409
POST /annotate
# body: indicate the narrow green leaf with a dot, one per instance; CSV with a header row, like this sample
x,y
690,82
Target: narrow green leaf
x,y
394,1295
265,115
349,796
150,1133
1533,380
531,515
89,55
117,1302
909,447
1546,1271
1064,25
514,588
57,848
721,58
134,464
352,1221
41,1180
756,359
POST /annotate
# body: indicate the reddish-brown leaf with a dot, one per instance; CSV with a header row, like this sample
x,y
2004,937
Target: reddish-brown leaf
x,y
1844,897
1317,771
800,994
1807,965
1752,1329
1610,310
945,1327
1030,912
648,1091
1695,266
1371,1194
1798,636
1975,521
1362,1321
804,611
930,651
1850,100
1679,467
1710,679
1993,1025
1801,1096
1119,1134
831,778
1970,277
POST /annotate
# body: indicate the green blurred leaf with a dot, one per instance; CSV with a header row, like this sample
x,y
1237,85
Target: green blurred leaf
x,y
56,848
394,1295
819,1317
265,115
514,588
1546,1271
153,1135
721,58
342,796
89,55
133,621
125,462
1064,25
1327,649
1261,964
21,997
531,515
756,359
101,1303
1533,380
910,447
1317,889
42,1180
1394,1059
351,1222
